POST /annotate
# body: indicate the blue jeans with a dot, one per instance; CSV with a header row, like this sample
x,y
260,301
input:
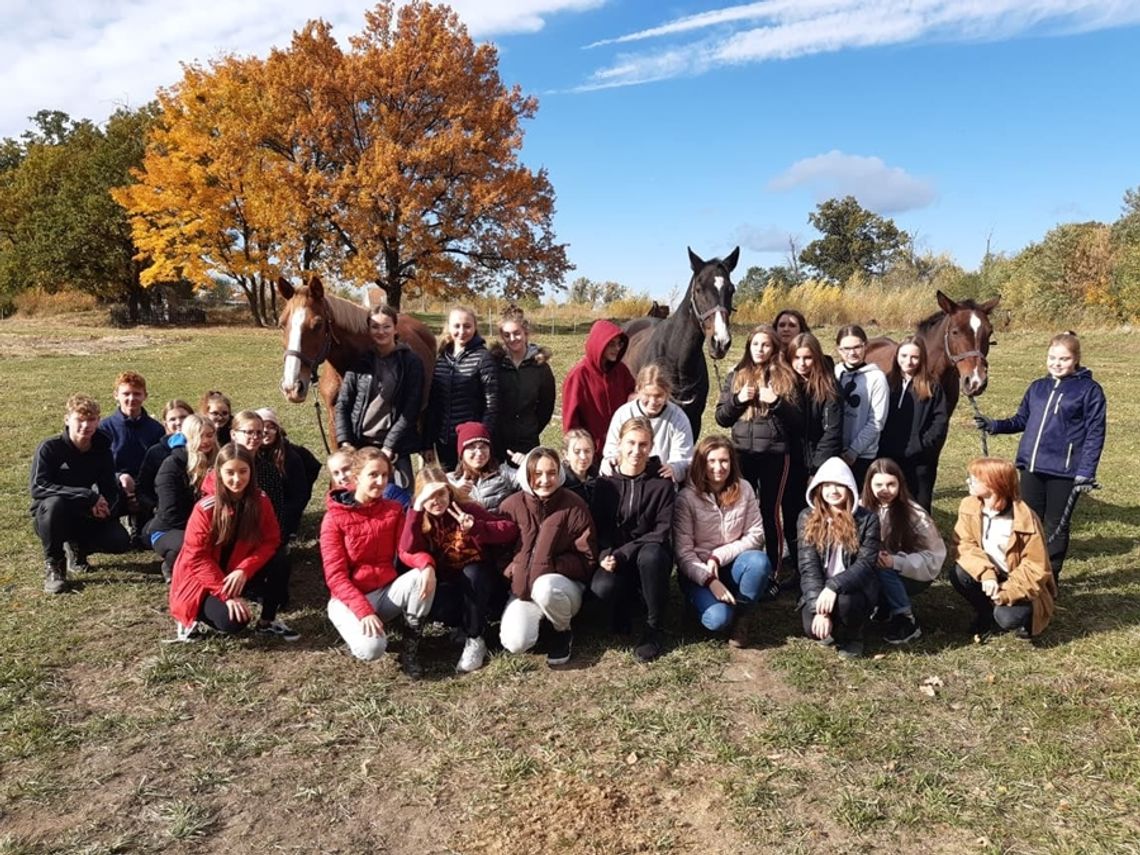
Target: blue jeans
x,y
895,590
747,577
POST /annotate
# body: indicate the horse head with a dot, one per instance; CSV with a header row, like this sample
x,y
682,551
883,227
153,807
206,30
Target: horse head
x,y
966,340
710,299
308,335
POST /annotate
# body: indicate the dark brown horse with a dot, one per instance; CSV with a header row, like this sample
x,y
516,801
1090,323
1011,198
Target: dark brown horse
x,y
320,327
657,311
958,341
676,343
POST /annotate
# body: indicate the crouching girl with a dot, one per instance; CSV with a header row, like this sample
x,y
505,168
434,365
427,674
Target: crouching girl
x,y
718,534
449,539
554,557
358,550
229,539
839,546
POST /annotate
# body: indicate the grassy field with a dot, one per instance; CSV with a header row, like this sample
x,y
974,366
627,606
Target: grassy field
x,y
113,742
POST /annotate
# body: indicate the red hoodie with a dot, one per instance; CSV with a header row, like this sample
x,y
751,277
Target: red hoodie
x,y
592,392
198,571
358,547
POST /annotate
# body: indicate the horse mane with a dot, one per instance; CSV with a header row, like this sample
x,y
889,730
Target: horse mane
x,y
928,323
347,315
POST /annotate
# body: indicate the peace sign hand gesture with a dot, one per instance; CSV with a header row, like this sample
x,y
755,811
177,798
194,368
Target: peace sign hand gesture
x,y
465,520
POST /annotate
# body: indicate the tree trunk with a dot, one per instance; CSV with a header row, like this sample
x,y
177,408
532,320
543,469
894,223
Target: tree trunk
x,y
251,297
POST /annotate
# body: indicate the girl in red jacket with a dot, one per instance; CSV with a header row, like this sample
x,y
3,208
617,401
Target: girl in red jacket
x,y
448,539
599,384
358,551
230,538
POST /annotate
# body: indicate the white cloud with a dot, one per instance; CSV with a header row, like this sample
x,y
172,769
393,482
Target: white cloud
x,y
784,29
762,238
881,188
86,58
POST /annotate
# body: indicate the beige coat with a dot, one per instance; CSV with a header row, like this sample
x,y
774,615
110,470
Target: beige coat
x,y
702,529
1030,576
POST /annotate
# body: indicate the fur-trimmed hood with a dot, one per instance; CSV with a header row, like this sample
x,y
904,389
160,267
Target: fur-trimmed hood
x,y
537,354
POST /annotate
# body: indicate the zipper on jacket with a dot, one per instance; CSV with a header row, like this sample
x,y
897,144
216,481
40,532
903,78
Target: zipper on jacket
x,y
1041,427
1069,457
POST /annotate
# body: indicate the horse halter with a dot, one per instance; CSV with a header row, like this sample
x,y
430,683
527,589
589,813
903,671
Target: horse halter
x,y
702,317
955,358
326,345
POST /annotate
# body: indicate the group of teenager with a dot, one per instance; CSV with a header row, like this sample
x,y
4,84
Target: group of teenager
x,y
822,485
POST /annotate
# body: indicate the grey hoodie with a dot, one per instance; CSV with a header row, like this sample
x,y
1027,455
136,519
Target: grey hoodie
x,y
865,395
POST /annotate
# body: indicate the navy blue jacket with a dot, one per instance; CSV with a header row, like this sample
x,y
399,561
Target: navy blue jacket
x,y
130,439
1062,425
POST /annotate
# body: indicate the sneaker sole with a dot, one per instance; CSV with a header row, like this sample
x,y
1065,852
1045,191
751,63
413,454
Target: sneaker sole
x,y
916,634
554,662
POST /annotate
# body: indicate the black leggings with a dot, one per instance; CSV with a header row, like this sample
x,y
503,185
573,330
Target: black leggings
x,y
58,521
1019,614
168,545
920,476
1047,495
794,501
462,599
647,571
847,616
215,613
768,474
271,585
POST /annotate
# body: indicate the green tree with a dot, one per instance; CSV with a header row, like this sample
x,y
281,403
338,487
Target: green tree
x,y
854,240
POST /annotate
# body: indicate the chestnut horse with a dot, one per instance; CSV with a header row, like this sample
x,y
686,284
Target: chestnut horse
x,y
320,327
957,340
675,344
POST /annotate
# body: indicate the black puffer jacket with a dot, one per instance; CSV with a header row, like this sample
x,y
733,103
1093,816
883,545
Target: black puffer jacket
x,y
526,399
463,389
356,394
771,433
860,572
632,511
176,497
822,433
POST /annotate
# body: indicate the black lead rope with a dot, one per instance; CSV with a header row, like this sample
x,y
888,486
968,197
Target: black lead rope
x,y
314,385
981,430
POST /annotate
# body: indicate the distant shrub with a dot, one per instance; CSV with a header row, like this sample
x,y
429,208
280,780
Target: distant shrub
x,y
38,303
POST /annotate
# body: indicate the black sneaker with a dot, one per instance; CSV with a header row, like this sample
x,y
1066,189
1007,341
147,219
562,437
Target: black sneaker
x,y
981,629
560,644
902,628
55,576
167,570
76,559
851,649
278,629
879,615
650,646
1023,633
410,652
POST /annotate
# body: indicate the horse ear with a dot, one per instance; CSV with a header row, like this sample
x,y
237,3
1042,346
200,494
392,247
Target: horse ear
x,y
946,304
316,288
284,287
731,259
695,261
990,305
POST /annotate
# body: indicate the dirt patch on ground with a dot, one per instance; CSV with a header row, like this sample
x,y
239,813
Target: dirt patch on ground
x,y
15,346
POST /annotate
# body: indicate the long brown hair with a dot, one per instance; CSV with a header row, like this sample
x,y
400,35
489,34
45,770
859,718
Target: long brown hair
x,y
435,475
819,383
236,517
922,382
827,526
776,372
698,470
899,533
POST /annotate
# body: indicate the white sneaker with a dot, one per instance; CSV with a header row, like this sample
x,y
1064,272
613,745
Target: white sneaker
x,y
474,655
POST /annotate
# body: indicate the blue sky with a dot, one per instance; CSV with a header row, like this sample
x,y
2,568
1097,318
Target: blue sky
x,y
695,123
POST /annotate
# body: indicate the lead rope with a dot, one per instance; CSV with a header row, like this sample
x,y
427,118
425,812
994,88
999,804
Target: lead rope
x,y
317,409
981,430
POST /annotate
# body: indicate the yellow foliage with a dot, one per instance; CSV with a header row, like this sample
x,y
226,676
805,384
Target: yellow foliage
x,y
36,302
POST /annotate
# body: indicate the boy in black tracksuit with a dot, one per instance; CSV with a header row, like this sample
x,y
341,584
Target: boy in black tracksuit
x,y
75,495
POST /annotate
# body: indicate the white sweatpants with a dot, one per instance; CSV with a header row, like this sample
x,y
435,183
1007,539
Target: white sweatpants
x,y
401,598
553,597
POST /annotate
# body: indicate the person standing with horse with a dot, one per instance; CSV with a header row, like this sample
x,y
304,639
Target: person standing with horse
x,y
526,389
1062,423
917,421
379,399
464,386
760,403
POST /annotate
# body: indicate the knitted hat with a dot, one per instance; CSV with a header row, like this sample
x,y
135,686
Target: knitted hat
x,y
268,415
470,432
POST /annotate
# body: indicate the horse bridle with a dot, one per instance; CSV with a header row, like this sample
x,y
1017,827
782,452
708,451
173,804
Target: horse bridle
x,y
955,358
701,318
326,345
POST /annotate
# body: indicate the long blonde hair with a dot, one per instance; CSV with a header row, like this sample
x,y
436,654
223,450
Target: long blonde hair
x,y
435,475
775,373
195,428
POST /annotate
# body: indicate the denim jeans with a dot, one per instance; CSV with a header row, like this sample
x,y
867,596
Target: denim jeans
x,y
892,591
747,578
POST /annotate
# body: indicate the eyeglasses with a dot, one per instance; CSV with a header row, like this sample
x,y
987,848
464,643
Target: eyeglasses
x,y
854,349
248,432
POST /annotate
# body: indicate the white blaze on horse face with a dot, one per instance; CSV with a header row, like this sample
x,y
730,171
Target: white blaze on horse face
x,y
720,328
292,375
975,376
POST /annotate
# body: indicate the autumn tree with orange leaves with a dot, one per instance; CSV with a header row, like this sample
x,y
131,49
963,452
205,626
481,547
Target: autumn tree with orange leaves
x,y
394,162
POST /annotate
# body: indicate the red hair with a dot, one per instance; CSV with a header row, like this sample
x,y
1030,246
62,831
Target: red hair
x,y
999,477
